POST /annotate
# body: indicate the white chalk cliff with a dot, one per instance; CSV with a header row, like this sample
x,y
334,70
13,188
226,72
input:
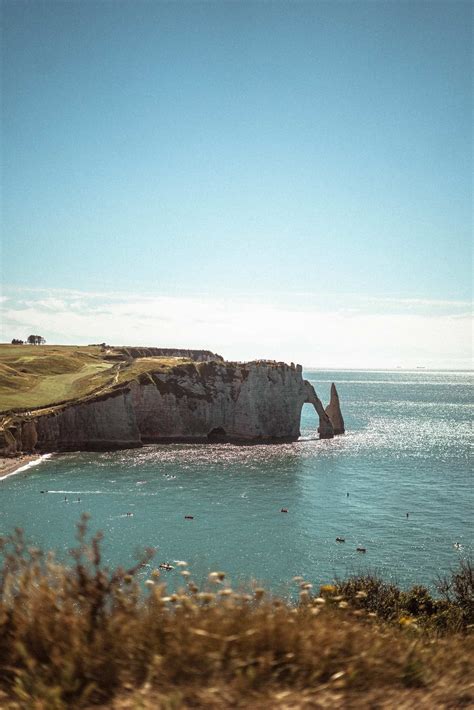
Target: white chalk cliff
x,y
212,400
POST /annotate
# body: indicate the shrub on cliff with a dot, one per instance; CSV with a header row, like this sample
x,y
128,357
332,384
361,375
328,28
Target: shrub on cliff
x,y
453,612
75,636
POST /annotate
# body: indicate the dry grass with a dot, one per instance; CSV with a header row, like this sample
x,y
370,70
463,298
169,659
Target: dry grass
x,y
140,366
78,636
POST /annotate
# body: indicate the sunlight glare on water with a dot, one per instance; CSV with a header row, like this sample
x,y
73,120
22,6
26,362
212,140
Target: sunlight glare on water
x,y
406,450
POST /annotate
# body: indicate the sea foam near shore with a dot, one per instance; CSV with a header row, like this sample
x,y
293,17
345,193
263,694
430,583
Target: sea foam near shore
x,y
23,467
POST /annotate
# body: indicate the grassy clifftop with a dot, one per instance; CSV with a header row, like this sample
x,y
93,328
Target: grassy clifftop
x,y
33,377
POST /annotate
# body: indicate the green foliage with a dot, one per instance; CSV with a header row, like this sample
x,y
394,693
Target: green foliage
x,y
454,612
458,591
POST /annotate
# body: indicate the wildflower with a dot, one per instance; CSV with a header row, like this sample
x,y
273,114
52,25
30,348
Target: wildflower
x,y
306,585
149,583
304,596
343,605
185,573
327,589
361,594
155,574
181,563
406,621
319,600
206,597
297,579
225,592
216,577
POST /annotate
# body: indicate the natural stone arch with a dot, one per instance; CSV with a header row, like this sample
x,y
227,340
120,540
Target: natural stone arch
x,y
325,429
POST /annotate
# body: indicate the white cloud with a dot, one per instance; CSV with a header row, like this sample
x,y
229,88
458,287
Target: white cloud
x,y
243,329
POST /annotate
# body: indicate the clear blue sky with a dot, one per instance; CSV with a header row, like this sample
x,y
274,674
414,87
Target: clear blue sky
x,y
242,148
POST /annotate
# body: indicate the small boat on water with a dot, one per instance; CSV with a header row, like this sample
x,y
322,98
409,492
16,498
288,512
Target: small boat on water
x,y
340,539
361,549
166,566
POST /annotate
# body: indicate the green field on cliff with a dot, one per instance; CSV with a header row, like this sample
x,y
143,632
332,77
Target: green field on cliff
x,y
39,376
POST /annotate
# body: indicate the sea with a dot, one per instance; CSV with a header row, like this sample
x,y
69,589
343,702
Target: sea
x,y
398,483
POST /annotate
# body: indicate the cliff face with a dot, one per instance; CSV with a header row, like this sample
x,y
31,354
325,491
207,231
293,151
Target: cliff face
x,y
106,422
103,423
216,400
237,401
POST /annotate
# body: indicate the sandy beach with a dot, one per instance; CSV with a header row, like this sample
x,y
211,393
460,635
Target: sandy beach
x,y
10,465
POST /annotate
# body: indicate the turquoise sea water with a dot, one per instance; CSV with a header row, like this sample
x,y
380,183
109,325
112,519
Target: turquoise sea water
x,y
406,450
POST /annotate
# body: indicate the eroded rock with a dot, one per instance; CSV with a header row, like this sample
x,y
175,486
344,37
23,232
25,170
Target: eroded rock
x,y
333,410
197,401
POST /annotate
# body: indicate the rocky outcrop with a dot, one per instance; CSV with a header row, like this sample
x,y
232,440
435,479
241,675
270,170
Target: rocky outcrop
x,y
198,401
103,423
29,436
239,401
333,410
106,422
325,429
8,443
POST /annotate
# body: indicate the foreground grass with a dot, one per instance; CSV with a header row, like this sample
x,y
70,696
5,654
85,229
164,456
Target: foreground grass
x,y
82,636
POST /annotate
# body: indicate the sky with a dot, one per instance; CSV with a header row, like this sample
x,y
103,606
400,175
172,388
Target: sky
x,y
263,179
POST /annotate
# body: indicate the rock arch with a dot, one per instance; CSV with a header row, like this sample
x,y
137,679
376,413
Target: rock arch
x,y
325,429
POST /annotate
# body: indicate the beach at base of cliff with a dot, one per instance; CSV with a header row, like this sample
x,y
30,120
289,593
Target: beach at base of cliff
x,y
9,466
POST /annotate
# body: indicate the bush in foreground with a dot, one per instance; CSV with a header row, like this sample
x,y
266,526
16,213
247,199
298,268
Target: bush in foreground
x,y
83,635
453,612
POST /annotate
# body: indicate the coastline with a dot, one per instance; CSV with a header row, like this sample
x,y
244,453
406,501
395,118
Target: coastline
x,y
11,466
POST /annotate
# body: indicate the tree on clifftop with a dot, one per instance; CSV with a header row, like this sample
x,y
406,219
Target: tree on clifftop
x,y
36,340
